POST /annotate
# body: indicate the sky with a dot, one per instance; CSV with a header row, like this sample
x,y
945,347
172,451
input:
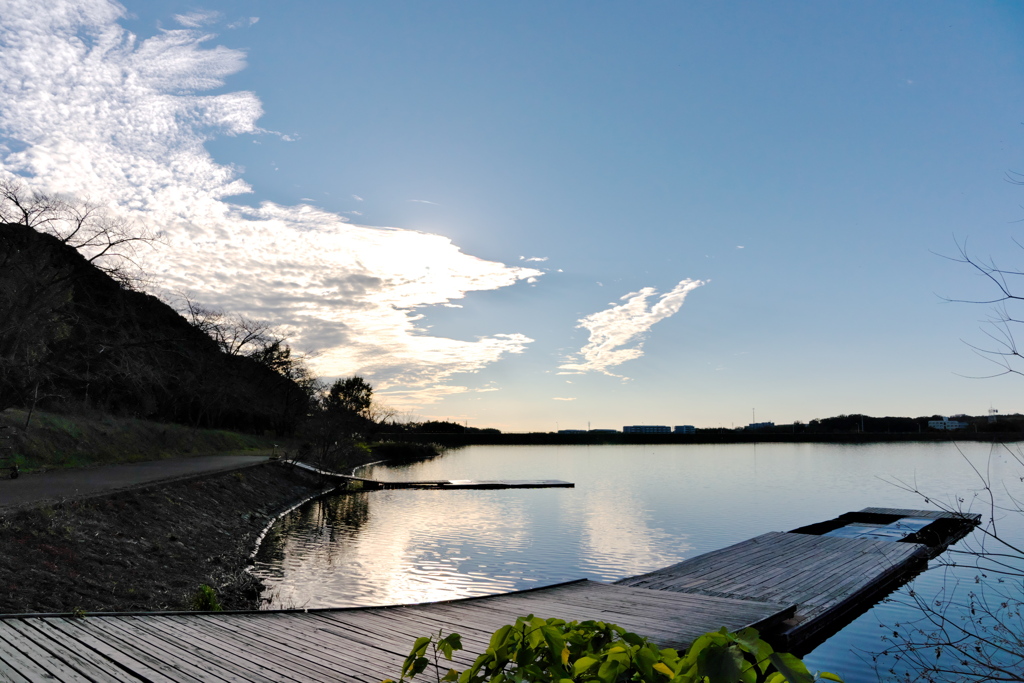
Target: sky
x,y
538,216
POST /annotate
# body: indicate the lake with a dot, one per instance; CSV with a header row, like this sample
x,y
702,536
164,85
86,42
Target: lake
x,y
634,509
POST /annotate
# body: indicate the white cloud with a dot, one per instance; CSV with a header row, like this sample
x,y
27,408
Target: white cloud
x,y
561,398
538,259
94,112
612,329
244,23
424,201
197,19
357,198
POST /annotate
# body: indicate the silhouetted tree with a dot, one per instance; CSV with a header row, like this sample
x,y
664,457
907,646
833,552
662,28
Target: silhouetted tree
x,y
109,242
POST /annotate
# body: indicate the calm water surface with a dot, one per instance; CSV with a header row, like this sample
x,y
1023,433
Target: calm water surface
x,y
634,509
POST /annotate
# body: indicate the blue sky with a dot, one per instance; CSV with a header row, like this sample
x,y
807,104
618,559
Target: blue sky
x,y
547,215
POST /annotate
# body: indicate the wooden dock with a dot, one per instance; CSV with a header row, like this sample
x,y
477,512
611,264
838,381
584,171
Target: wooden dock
x,y
792,586
831,579
436,484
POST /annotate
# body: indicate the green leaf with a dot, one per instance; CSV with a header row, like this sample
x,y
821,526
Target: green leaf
x,y
420,646
720,664
645,658
611,668
750,641
633,639
500,636
830,676
555,641
418,666
791,668
535,637
452,675
583,664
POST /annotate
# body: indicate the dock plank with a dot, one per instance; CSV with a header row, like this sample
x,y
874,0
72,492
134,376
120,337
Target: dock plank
x,y
82,659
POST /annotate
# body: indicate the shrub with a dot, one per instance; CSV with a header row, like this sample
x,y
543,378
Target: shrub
x,y
538,650
205,600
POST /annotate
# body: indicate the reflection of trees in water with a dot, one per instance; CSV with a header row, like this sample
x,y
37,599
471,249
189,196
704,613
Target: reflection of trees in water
x,y
324,529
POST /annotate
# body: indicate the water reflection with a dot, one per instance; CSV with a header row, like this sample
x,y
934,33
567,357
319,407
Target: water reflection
x,y
618,538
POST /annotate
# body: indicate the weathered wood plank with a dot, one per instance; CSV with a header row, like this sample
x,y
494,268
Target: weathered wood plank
x,y
30,659
144,666
124,639
298,654
84,660
223,661
350,656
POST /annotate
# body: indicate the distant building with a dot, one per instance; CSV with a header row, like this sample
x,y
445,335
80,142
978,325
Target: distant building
x,y
946,423
572,431
604,431
685,429
760,425
646,429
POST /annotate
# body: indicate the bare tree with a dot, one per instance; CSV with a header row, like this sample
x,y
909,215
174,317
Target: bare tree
x,y
1003,321
972,628
235,334
109,242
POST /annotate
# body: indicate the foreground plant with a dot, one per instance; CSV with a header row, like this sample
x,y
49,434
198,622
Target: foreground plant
x,y
554,650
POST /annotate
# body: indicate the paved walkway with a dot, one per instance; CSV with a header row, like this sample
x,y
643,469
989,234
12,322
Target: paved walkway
x,y
35,489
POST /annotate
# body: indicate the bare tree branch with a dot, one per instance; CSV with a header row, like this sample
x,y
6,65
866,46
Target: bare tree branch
x,y
109,242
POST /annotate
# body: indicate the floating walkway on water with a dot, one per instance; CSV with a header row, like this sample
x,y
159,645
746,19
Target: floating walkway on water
x,y
794,587
447,484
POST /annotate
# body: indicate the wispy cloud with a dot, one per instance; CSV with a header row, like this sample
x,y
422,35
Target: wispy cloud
x,y
539,259
87,109
563,398
197,19
616,333
424,201
244,22
357,198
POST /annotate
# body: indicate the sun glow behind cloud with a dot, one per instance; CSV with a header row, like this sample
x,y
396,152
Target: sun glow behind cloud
x,y
89,110
624,324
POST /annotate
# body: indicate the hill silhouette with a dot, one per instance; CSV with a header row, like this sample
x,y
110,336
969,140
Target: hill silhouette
x,y
72,336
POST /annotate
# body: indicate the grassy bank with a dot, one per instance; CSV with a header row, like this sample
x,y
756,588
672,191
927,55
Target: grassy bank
x,y
55,441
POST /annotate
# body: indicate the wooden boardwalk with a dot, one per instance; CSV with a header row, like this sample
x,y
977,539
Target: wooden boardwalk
x,y
794,587
365,644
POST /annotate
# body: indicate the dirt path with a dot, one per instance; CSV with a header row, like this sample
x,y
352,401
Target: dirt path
x,y
30,490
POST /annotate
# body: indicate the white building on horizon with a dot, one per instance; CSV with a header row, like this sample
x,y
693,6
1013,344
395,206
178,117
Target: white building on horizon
x,y
946,423
646,429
